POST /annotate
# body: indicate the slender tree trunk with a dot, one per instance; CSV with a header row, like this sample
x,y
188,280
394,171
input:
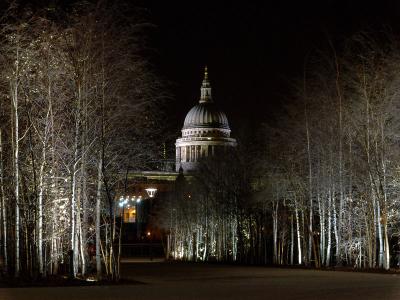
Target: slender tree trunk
x,y
40,212
291,241
336,229
321,209
380,236
310,194
14,88
299,257
338,216
275,231
75,170
386,259
329,232
98,215
3,206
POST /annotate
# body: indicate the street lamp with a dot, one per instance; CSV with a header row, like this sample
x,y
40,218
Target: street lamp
x,y
151,192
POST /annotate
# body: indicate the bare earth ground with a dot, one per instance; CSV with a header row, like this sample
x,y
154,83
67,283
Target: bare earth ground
x,y
202,281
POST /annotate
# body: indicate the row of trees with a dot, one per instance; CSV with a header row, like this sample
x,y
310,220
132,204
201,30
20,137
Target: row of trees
x,y
76,108
323,184
338,177
202,217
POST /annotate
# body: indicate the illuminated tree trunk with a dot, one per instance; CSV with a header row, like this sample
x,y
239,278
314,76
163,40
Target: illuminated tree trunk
x,y
386,254
322,216
14,96
335,227
74,179
379,226
41,184
310,194
40,212
275,230
329,232
3,207
291,241
299,257
341,189
97,219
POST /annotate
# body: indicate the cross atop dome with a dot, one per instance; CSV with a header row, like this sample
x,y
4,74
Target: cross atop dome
x,y
205,89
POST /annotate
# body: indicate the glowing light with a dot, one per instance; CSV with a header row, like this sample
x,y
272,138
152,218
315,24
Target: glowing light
x,y
148,233
91,279
151,192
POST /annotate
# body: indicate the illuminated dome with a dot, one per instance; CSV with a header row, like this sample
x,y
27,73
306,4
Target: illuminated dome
x,y
205,132
206,115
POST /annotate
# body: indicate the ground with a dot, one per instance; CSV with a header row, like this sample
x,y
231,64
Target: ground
x,y
203,281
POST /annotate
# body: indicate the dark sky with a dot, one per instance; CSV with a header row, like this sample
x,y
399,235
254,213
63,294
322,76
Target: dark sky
x,y
254,49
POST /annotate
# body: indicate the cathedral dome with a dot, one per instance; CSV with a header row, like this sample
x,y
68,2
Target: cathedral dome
x,y
206,115
205,132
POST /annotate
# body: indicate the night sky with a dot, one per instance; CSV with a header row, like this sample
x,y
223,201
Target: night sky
x,y
254,49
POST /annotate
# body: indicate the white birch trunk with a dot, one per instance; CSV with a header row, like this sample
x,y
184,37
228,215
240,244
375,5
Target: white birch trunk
x,y
97,220
321,209
299,257
275,231
336,230
329,232
310,195
3,206
40,212
14,90
291,241
380,236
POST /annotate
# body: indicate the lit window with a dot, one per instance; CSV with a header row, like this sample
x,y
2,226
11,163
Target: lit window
x,y
130,215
